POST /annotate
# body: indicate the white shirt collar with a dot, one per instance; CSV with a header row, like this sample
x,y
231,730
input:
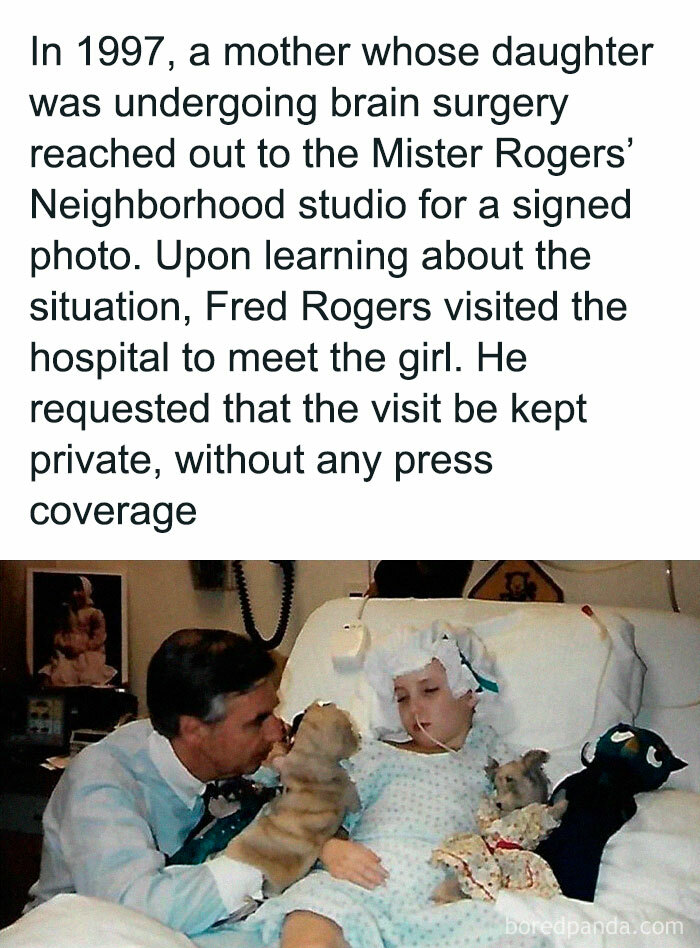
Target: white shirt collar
x,y
172,770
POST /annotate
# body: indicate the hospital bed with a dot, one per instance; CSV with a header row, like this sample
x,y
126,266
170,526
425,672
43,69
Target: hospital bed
x,y
562,683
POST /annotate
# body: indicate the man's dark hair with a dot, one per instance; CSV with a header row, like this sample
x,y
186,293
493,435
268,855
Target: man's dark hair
x,y
194,669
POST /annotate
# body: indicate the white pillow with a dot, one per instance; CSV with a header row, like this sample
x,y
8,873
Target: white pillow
x,y
351,690
549,664
80,921
561,683
326,664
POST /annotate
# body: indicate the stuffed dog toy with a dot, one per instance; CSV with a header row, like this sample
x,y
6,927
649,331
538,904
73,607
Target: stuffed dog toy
x,y
511,822
286,838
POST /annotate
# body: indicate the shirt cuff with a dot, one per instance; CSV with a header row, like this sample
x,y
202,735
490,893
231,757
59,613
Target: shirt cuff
x,y
267,776
235,881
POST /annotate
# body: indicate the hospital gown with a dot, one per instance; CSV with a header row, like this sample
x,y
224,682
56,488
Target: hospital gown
x,y
410,803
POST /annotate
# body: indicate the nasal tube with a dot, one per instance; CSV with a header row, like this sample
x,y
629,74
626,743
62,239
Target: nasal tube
x,y
435,740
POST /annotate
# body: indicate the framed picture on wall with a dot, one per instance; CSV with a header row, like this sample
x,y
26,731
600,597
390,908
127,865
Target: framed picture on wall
x,y
77,628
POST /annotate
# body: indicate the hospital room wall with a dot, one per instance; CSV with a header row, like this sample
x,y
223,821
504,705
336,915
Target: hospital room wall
x,y
162,597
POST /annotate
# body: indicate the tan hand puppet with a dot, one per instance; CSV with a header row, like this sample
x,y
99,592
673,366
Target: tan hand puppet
x,y
287,836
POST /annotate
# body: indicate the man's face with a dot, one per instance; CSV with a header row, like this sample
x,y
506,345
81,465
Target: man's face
x,y
241,741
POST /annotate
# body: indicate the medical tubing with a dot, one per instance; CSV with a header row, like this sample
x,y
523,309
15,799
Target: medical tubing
x,y
605,633
287,567
435,740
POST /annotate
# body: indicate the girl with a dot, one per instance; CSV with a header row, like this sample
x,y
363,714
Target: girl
x,y
420,783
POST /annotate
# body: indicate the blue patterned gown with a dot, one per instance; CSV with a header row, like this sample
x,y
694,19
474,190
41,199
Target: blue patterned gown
x,y
410,803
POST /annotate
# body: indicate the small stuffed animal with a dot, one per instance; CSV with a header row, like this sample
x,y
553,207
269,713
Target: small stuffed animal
x,y
511,822
627,760
286,838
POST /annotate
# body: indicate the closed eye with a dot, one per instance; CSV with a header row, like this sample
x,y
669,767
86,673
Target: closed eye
x,y
258,720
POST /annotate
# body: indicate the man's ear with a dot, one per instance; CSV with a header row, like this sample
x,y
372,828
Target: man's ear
x,y
191,729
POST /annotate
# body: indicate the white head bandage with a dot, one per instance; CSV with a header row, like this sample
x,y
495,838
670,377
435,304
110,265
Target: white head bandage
x,y
407,651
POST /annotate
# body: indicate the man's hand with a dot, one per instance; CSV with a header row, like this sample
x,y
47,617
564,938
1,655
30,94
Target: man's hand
x,y
353,862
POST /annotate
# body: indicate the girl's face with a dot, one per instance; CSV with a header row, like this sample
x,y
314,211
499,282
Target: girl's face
x,y
424,698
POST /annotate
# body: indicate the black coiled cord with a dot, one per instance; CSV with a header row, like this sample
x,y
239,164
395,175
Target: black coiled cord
x,y
287,567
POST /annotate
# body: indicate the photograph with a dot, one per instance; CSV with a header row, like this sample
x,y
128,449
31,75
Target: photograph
x,y
283,720
76,628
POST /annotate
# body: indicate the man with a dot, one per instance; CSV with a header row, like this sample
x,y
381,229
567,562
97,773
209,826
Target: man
x,y
130,800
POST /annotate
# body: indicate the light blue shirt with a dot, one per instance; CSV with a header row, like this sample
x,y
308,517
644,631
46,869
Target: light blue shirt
x,y
122,805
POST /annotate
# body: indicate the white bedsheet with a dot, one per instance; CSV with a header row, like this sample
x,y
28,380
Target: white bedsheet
x,y
80,921
648,894
648,890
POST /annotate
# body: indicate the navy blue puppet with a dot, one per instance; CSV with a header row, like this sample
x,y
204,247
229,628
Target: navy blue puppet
x,y
627,760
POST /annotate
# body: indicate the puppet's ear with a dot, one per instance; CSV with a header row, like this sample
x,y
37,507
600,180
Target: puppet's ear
x,y
585,759
534,758
491,768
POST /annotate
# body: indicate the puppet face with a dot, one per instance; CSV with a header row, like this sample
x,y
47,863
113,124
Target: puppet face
x,y
646,757
519,782
424,698
327,731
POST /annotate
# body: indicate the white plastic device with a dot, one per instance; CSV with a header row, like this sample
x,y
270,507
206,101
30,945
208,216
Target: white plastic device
x,y
349,645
